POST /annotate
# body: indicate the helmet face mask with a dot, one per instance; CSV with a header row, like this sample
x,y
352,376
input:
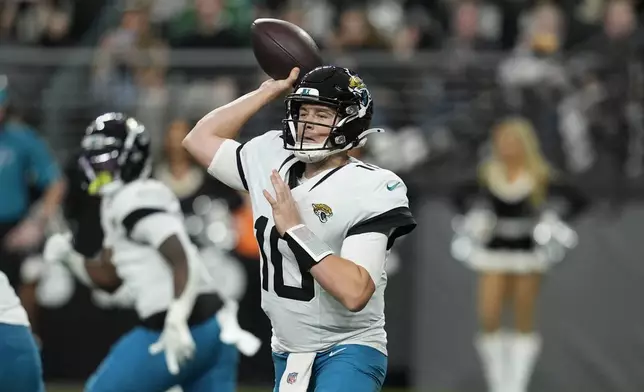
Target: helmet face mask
x,y
306,124
347,97
114,151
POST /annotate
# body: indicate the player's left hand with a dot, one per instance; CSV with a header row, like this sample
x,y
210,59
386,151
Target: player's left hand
x,y
175,340
285,211
58,247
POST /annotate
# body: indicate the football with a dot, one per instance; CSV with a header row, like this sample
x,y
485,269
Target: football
x,y
279,46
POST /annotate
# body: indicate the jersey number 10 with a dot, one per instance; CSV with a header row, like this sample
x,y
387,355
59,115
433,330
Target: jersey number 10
x,y
306,293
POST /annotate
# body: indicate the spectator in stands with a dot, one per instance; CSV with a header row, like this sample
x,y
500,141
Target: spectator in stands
x,y
56,21
457,94
466,28
204,25
43,22
355,32
188,181
127,57
418,32
25,161
614,62
534,78
461,53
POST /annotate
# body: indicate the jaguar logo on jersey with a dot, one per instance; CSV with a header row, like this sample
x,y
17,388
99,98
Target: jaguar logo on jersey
x,y
291,378
323,211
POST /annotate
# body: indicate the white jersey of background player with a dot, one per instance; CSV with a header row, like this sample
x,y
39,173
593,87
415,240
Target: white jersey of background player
x,y
147,249
17,342
324,223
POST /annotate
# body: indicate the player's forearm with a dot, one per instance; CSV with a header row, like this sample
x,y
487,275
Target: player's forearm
x,y
346,281
227,120
184,277
222,124
172,250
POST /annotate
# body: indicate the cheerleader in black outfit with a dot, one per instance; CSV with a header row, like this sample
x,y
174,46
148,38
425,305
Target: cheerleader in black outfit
x,y
514,183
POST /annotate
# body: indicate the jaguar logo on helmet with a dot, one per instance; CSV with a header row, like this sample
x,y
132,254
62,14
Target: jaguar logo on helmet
x,y
356,82
359,89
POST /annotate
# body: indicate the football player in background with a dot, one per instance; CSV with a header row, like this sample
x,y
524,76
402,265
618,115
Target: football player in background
x,y
20,364
147,251
324,222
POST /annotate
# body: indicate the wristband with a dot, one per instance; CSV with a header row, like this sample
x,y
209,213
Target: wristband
x,y
306,246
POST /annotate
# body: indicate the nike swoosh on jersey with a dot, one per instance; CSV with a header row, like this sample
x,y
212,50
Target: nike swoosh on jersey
x,y
332,353
391,186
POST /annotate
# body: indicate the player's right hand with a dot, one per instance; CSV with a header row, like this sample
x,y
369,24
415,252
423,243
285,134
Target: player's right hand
x,y
175,341
58,247
280,87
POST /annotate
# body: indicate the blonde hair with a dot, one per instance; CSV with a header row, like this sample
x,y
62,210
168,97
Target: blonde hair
x,y
535,163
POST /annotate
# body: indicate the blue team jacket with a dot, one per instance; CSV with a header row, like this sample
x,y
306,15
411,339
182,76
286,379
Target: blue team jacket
x,y
25,160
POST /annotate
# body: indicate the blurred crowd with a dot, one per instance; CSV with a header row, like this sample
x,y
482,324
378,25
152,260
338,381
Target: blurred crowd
x,y
567,66
398,25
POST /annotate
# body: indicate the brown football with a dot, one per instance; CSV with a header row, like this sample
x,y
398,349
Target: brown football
x,y
279,46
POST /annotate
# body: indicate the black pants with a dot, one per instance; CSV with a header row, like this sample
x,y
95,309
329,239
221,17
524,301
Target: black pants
x,y
10,262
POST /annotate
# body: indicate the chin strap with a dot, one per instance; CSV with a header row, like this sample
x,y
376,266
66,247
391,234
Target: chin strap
x,y
361,140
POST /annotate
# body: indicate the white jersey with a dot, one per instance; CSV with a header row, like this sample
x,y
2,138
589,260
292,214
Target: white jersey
x,y
136,219
11,310
353,199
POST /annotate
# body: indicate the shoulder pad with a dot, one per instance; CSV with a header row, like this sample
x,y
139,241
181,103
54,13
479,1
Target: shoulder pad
x,y
267,140
378,182
145,194
383,203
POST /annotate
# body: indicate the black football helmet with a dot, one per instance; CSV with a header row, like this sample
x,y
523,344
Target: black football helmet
x,y
114,150
340,89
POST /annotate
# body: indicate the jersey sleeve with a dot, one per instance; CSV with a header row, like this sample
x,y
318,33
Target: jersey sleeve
x,y
382,207
226,165
236,163
368,250
154,229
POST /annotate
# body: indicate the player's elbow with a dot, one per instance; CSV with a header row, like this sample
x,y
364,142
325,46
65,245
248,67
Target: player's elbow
x,y
358,298
189,141
202,146
355,305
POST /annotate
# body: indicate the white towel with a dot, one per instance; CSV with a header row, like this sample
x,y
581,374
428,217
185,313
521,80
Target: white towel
x,y
231,333
297,375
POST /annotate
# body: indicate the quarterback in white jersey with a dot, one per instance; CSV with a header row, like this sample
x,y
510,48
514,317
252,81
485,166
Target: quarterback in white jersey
x,y
146,248
20,364
324,223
